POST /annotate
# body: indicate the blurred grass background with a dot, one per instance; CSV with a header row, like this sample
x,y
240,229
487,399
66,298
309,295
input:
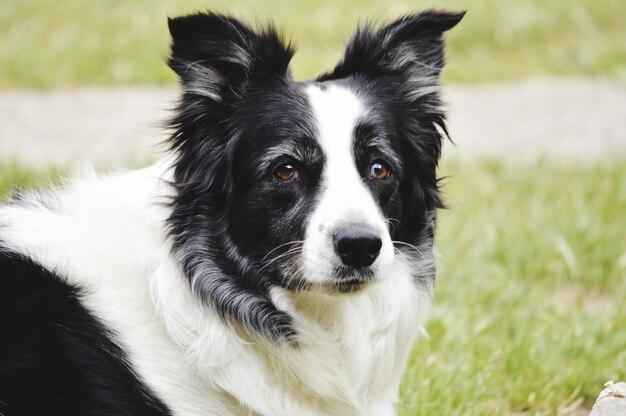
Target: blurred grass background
x,y
529,311
529,306
47,43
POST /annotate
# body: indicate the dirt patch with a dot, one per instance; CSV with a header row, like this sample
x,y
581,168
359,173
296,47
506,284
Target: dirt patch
x,y
567,119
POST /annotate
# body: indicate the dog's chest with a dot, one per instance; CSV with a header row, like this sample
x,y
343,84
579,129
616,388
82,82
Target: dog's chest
x,y
359,346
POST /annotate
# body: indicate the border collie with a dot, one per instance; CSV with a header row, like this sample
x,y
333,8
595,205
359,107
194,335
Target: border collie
x,y
277,261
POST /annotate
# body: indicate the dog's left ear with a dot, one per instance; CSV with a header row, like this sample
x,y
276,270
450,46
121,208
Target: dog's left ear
x,y
411,47
216,56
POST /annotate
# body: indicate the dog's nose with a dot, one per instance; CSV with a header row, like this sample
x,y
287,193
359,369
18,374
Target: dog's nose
x,y
357,246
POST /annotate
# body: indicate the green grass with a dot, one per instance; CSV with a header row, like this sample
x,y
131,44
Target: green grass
x,y
48,43
529,308
12,176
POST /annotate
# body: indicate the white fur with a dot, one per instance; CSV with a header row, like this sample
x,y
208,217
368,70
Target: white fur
x,y
107,235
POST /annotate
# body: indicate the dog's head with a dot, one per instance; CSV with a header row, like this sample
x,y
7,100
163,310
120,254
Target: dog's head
x,y
319,185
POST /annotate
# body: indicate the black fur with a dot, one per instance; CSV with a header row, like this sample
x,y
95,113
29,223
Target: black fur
x,y
249,71
56,358
239,102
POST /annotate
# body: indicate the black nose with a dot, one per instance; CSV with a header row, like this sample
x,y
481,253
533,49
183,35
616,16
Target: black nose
x,y
357,246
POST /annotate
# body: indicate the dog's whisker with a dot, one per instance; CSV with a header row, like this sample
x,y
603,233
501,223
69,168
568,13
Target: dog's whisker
x,y
279,247
393,221
293,274
411,246
280,256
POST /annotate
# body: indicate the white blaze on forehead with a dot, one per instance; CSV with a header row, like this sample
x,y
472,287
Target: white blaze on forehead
x,y
337,111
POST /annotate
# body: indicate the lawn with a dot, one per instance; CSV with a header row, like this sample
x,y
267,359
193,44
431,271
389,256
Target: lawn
x,y
12,176
529,307
47,43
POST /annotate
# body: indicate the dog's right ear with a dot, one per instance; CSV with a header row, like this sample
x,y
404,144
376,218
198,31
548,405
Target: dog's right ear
x,y
217,56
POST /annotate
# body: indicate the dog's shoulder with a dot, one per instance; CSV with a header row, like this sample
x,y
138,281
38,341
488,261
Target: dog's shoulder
x,y
56,357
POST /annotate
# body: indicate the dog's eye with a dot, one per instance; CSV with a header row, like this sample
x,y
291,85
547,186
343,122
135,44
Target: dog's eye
x,y
380,171
286,172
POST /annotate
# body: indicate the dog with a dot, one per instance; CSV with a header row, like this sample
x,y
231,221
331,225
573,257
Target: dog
x,y
277,261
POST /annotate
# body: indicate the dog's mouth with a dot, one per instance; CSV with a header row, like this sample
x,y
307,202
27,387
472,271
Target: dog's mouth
x,y
349,286
344,280
353,275
341,288
349,280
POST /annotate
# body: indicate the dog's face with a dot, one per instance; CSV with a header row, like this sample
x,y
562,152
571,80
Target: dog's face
x,y
316,169
306,186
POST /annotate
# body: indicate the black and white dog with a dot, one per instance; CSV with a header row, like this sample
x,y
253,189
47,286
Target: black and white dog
x,y
278,261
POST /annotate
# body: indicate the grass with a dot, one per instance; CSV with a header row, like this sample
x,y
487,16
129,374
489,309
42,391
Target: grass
x,y
13,176
52,44
529,310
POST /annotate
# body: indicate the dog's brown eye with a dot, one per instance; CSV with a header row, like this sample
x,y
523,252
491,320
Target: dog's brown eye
x,y
379,171
286,172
